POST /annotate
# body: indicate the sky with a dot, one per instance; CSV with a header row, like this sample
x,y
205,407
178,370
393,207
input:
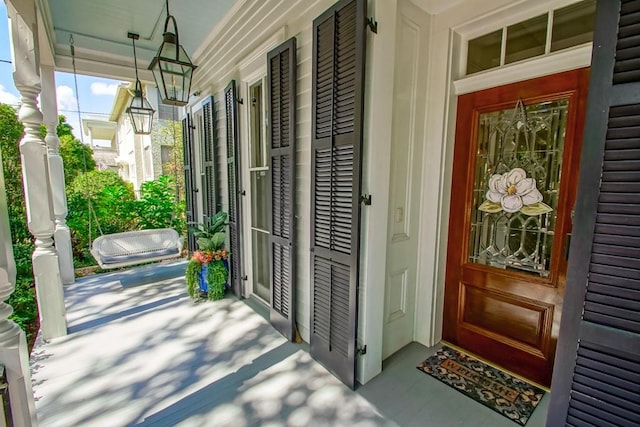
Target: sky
x,y
95,94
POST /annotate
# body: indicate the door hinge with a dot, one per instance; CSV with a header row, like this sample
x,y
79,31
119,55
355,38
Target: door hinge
x,y
366,199
245,278
362,350
373,25
240,101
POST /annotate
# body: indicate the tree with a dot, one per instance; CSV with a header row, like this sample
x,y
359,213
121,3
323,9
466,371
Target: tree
x,y
158,206
11,131
76,156
99,202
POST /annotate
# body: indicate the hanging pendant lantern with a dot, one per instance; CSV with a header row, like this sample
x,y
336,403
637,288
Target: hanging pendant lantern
x,y
139,110
172,69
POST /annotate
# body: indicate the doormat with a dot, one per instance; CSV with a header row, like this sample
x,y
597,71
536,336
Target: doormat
x,y
495,389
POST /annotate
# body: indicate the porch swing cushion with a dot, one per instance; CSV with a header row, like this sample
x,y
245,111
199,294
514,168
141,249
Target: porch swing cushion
x,y
135,247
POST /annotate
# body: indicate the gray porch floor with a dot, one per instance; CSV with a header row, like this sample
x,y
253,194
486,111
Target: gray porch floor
x,y
139,352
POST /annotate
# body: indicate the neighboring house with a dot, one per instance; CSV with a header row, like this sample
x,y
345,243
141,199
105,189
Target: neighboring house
x,y
142,158
399,171
101,134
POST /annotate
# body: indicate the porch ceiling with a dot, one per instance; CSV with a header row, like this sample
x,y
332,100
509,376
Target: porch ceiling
x,y
100,28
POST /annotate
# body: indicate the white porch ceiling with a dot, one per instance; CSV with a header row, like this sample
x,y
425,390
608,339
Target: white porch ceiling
x,y
100,28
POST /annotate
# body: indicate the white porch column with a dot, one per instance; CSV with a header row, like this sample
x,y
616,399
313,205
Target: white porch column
x,y
13,344
62,234
35,169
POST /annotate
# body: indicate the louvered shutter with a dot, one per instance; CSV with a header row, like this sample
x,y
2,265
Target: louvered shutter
x,y
189,180
233,176
597,371
337,106
210,181
281,78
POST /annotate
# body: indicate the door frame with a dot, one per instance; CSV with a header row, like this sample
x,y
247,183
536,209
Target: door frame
x,y
570,85
439,146
251,69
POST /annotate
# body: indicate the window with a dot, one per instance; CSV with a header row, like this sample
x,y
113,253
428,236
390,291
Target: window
x,y
553,31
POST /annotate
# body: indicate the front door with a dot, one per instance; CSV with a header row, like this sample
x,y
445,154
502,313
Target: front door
x,y
515,170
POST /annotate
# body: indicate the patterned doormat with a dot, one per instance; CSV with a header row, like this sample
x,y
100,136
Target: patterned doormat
x,y
504,393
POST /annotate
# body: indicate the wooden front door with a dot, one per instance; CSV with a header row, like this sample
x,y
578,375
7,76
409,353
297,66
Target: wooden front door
x,y
513,189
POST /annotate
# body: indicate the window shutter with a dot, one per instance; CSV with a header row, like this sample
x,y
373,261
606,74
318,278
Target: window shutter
x,y
210,181
233,176
189,180
337,107
281,78
597,370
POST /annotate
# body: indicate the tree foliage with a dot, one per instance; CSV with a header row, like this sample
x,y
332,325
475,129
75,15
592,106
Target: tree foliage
x,y
76,156
11,131
99,201
158,206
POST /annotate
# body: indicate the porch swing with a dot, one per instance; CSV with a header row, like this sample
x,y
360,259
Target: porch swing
x,y
130,247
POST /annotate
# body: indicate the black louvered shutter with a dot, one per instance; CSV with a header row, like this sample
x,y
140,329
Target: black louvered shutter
x,y
233,176
597,371
210,181
281,77
189,180
337,107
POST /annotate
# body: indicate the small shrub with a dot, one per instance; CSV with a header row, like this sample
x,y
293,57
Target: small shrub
x,y
158,206
23,301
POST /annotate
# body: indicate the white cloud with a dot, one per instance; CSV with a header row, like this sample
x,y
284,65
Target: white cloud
x,y
99,88
66,100
7,97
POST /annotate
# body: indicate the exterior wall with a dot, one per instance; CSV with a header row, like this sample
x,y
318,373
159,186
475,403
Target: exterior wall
x,y
253,27
133,164
228,57
450,29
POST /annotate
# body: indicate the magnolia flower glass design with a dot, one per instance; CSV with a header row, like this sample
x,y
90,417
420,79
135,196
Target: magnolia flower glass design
x,y
513,192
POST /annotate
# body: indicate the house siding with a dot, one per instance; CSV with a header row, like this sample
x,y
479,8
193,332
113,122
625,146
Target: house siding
x,y
237,38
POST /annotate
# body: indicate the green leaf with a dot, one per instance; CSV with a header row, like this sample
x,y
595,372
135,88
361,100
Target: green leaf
x,y
217,240
204,243
536,209
490,207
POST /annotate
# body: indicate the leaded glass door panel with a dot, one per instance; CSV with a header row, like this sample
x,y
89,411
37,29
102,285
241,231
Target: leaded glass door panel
x,y
513,190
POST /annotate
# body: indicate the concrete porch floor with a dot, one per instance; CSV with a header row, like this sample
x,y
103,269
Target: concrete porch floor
x,y
140,352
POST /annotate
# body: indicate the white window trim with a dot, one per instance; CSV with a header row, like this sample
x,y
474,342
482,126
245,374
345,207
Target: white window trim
x,y
553,63
550,63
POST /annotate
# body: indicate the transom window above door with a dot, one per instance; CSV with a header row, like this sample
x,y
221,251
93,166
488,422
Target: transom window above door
x,y
540,35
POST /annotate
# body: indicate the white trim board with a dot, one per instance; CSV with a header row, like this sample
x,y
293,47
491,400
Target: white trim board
x,y
553,63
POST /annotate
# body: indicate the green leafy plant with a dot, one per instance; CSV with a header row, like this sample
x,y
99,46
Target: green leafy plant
x,y
211,255
211,236
192,275
112,201
23,301
158,206
217,275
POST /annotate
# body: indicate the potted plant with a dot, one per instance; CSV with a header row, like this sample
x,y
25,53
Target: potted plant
x,y
207,270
